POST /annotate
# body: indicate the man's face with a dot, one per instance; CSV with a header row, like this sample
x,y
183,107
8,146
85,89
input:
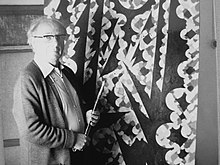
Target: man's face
x,y
48,42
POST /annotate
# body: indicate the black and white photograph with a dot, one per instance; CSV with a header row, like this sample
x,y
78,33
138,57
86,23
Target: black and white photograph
x,y
109,82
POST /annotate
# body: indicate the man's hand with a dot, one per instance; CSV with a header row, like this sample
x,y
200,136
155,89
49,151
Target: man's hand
x,y
92,117
81,141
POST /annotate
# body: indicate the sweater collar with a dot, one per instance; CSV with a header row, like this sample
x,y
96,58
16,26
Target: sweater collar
x,y
45,67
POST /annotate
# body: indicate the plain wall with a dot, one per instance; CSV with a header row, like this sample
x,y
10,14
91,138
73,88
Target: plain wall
x,y
207,127
217,31
10,65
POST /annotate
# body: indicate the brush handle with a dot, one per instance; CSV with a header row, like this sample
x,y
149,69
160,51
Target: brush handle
x,y
89,126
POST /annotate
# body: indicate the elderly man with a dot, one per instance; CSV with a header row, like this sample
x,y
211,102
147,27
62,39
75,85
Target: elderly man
x,y
47,102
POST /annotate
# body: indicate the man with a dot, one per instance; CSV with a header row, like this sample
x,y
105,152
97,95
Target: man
x,y
47,102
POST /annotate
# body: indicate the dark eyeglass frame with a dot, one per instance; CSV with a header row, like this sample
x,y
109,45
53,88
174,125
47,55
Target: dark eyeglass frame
x,y
51,36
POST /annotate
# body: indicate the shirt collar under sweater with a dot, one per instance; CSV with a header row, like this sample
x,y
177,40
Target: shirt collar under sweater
x,y
45,67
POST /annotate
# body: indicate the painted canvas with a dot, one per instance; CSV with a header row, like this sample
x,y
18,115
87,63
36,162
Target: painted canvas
x,y
147,53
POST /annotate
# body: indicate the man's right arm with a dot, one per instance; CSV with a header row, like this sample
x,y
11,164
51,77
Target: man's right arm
x,y
28,115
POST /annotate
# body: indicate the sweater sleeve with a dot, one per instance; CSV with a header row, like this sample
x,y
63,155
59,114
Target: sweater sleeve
x,y
27,112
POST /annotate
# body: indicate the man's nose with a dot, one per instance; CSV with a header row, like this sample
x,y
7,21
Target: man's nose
x,y
56,40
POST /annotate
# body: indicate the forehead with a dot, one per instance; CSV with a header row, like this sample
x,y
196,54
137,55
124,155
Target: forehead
x,y
49,27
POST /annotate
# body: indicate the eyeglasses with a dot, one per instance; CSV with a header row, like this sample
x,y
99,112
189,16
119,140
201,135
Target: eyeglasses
x,y
51,37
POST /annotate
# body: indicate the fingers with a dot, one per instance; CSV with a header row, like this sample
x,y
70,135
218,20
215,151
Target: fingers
x,y
81,141
87,141
96,113
92,117
95,116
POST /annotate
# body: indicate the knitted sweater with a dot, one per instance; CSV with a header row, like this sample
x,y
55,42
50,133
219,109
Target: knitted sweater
x,y
44,137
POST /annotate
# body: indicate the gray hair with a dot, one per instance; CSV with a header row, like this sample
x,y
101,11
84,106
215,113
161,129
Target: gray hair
x,y
36,22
